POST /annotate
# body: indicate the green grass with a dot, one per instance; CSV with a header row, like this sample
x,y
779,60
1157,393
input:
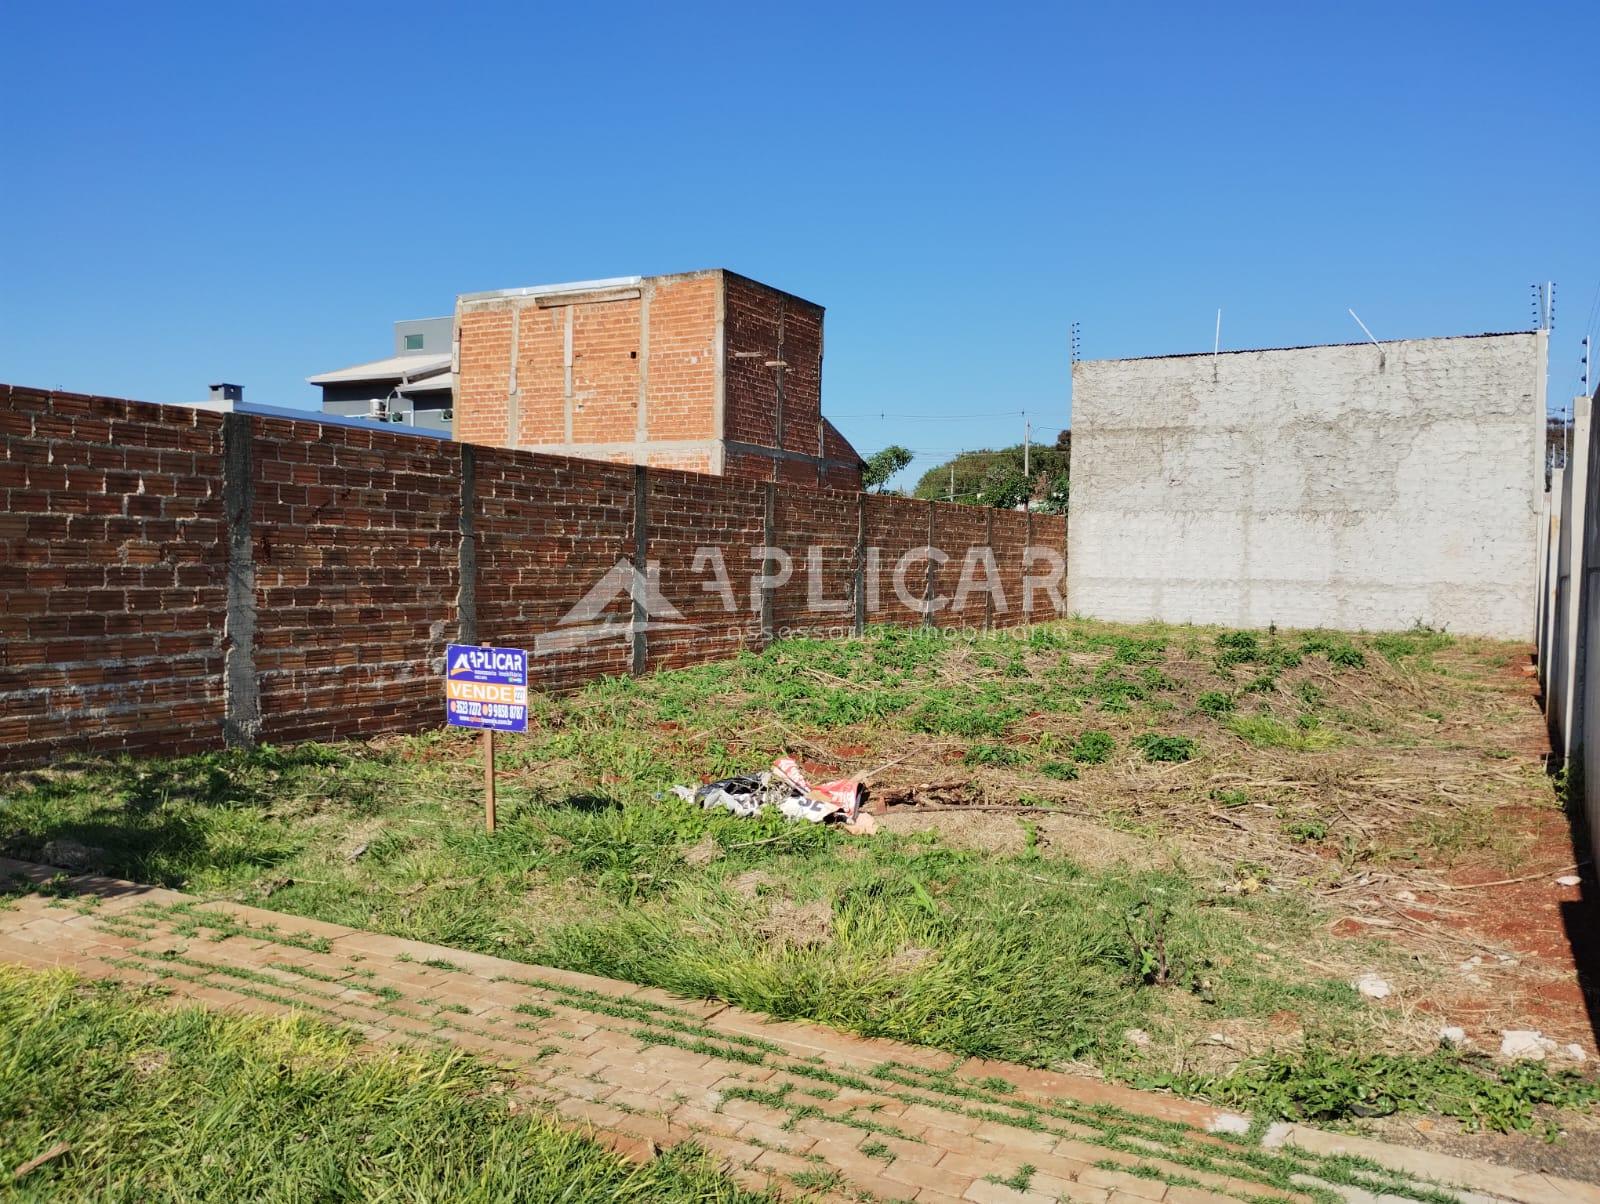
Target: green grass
x,y
163,1103
1312,1085
1028,955
1266,732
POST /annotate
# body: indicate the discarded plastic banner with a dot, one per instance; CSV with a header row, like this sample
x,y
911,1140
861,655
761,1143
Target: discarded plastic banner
x,y
785,788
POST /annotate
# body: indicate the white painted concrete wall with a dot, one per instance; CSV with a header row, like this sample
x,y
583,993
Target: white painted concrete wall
x,y
1357,487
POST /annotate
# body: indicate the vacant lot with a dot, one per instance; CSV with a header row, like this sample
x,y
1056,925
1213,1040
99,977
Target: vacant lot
x,y
1167,854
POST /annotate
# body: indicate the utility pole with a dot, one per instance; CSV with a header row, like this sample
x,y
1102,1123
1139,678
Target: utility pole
x,y
952,480
1027,462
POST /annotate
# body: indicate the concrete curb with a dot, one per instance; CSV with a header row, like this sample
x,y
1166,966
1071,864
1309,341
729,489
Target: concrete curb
x,y
1494,1181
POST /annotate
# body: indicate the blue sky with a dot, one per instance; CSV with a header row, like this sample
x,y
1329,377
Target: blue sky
x,y
254,193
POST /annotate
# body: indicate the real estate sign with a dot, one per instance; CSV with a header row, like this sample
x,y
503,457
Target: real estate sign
x,y
486,688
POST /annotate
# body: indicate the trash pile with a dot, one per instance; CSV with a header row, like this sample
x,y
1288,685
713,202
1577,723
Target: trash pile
x,y
785,788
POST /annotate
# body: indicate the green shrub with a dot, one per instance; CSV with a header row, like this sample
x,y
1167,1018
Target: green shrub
x,y
1094,748
1157,747
994,754
1307,830
1214,702
1066,771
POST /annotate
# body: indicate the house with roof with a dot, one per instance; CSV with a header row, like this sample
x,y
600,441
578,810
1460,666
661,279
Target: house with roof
x,y
415,386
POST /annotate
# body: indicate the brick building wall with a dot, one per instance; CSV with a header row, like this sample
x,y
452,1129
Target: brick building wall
x,y
176,579
706,371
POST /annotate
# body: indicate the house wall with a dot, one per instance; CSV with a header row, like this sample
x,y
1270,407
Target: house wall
x,y
676,372
624,374
181,579
1353,486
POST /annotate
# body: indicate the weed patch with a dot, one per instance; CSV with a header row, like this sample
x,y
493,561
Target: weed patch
x,y
1156,747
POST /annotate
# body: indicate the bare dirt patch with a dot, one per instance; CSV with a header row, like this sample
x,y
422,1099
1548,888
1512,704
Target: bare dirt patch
x,y
1090,845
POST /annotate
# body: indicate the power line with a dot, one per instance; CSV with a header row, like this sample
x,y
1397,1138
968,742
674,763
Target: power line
x,y
937,417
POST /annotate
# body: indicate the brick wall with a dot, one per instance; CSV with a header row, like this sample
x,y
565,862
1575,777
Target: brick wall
x,y
176,580
674,371
546,529
820,527
113,579
681,367
355,557
687,513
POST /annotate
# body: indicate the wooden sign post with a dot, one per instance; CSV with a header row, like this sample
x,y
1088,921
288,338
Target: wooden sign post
x,y
486,688
488,779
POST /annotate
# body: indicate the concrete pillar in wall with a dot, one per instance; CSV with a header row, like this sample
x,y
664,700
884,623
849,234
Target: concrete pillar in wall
x,y
1555,691
1548,593
1573,522
1540,588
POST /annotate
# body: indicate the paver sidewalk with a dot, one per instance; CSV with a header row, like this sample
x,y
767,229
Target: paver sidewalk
x,y
798,1108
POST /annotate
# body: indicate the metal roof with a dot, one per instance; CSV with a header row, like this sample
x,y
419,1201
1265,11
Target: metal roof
x,y
545,290
395,367
250,407
438,383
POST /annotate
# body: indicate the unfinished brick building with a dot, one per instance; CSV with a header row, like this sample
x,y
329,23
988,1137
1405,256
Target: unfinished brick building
x,y
706,371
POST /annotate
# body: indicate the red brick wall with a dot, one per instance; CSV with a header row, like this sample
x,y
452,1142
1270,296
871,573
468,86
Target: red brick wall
x,y
762,325
663,341
113,580
481,407
116,543
547,529
681,384
826,520
608,350
844,471
895,526
688,512
355,550
1010,541
957,529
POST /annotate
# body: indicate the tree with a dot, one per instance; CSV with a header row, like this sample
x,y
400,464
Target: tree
x,y
995,478
883,465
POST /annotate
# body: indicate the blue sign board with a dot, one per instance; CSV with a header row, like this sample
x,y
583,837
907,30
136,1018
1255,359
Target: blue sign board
x,y
486,688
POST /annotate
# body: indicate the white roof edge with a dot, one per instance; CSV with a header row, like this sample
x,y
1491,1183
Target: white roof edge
x,y
545,290
392,367
261,411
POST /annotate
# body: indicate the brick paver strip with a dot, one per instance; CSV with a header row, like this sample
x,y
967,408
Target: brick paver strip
x,y
792,1107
